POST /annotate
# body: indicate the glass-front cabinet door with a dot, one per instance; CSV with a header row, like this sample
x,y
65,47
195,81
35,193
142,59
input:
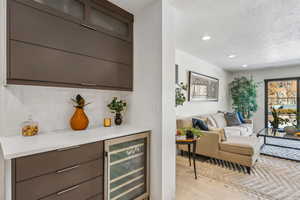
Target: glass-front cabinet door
x,y
108,23
74,8
127,161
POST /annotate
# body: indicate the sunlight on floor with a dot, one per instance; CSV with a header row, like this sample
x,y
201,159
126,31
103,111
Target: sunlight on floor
x,y
187,188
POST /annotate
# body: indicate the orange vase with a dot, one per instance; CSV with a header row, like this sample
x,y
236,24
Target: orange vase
x,y
79,120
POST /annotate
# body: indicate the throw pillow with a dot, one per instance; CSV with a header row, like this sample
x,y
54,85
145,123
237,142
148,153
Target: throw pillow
x,y
211,121
241,117
198,123
237,115
232,119
220,120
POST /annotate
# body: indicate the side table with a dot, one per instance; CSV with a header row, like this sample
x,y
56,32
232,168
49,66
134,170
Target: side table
x,y
190,142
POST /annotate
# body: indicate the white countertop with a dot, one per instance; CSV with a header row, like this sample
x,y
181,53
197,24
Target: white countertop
x,y
19,146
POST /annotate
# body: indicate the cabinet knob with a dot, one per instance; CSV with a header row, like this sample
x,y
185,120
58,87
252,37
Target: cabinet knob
x,y
67,169
68,190
89,27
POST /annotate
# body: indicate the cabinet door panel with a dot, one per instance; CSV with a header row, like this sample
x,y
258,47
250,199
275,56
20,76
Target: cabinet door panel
x,y
48,184
109,23
83,191
36,63
60,34
71,7
44,163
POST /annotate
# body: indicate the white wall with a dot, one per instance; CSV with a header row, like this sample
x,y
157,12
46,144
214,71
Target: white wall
x,y
153,98
260,76
52,107
2,64
189,62
168,102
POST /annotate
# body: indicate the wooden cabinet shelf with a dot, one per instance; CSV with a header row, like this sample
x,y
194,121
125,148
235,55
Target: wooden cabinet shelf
x,y
70,43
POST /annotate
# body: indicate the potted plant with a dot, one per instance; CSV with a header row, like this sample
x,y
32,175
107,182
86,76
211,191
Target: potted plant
x,y
79,120
117,106
179,94
243,94
277,120
294,126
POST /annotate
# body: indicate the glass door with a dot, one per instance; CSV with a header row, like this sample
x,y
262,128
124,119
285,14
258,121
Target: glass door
x,y
74,8
282,97
127,167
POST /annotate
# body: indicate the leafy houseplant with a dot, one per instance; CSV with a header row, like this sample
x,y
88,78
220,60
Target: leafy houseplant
x,y
117,106
277,120
294,126
179,94
79,120
243,94
195,131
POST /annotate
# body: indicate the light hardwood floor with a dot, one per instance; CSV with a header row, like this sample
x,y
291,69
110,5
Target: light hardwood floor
x,y
187,188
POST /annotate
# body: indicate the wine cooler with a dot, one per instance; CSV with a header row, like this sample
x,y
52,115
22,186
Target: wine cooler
x,y
127,168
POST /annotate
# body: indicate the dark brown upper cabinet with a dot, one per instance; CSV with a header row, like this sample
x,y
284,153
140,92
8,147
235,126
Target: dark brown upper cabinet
x,y
70,43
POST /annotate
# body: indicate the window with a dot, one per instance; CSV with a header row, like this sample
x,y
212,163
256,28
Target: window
x,y
283,96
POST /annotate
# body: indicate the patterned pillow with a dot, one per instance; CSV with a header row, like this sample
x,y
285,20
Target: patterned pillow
x,y
198,123
232,119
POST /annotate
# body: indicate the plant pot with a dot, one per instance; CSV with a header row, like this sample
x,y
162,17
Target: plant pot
x,y
118,119
290,130
189,134
79,120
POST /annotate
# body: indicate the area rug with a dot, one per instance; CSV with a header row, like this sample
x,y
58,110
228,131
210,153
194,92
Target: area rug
x,y
270,179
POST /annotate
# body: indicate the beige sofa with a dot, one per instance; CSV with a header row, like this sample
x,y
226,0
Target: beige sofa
x,y
240,149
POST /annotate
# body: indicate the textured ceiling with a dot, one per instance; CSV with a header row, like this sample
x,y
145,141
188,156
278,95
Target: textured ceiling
x,y
262,33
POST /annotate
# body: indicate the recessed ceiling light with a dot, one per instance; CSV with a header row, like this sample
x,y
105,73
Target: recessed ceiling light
x,y
232,56
244,65
206,37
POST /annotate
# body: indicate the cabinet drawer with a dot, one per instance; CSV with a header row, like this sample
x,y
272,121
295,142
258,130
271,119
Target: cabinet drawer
x,y
45,185
84,191
36,165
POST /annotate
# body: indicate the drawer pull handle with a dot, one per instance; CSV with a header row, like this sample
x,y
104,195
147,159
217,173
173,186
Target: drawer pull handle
x,y
89,84
67,169
89,27
68,148
68,190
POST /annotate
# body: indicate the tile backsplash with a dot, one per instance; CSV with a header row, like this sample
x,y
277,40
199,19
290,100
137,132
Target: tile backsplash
x,y
52,107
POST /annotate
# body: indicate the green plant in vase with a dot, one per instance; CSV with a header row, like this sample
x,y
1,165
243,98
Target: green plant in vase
x,y
179,94
277,120
243,94
197,132
117,107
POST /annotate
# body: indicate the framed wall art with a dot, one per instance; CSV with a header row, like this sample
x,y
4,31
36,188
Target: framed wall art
x,y
202,87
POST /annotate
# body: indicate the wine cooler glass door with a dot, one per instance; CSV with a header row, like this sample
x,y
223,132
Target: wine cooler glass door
x,y
127,167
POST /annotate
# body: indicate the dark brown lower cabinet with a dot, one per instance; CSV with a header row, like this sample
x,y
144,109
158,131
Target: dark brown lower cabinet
x,y
73,173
